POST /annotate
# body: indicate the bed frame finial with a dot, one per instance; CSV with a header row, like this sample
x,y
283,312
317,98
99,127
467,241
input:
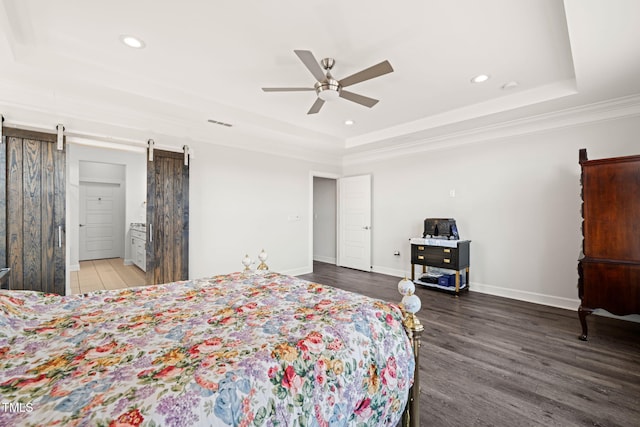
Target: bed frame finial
x,y
410,305
262,256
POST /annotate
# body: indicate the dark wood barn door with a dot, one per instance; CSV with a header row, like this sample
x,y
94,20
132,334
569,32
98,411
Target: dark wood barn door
x,y
167,218
32,211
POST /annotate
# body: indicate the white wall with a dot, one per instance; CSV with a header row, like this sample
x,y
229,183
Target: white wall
x,y
135,190
324,219
241,202
98,171
517,199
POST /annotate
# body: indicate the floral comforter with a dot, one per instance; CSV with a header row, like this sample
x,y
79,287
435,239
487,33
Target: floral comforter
x,y
241,350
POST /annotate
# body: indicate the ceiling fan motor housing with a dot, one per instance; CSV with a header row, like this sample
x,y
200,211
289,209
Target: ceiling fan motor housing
x,y
328,89
328,63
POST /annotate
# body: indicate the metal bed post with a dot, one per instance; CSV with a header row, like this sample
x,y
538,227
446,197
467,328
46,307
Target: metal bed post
x,y
411,415
410,305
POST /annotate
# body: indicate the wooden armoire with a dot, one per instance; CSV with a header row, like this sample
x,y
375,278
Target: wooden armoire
x,y
609,270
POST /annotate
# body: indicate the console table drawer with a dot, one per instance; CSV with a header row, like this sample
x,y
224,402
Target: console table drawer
x,y
435,256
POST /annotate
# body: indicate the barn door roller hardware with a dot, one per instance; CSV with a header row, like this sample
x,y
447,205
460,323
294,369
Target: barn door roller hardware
x,y
60,140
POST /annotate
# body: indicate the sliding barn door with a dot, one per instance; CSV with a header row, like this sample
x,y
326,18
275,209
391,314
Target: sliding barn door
x,y
32,215
167,218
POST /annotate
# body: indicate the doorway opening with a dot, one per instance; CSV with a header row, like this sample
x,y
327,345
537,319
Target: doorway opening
x,y
340,220
325,215
101,211
106,193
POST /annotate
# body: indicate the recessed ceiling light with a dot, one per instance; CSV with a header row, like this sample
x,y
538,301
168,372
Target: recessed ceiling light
x,y
510,85
349,122
132,41
480,78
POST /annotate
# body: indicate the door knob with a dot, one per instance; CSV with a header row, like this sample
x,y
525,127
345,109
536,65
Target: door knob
x,y
81,225
366,227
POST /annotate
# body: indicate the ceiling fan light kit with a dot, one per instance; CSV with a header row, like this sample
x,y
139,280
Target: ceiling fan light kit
x,y
327,88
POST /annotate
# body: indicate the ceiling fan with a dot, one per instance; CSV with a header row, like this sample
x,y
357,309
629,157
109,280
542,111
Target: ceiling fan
x,y
328,88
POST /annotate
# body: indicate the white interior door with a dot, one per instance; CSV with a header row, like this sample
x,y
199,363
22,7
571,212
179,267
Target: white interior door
x,y
354,229
100,228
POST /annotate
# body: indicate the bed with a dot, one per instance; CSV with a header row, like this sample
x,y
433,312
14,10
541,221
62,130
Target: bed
x,y
238,349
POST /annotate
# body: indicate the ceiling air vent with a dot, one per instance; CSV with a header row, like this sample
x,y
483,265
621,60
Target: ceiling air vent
x,y
215,122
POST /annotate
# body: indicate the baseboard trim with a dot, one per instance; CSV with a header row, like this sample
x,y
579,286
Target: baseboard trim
x,y
74,267
328,260
297,271
630,317
533,297
389,271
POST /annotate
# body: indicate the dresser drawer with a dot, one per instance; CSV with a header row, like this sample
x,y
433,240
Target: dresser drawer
x,y
612,286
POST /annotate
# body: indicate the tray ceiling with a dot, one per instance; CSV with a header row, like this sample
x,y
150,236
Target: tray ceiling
x,y
207,61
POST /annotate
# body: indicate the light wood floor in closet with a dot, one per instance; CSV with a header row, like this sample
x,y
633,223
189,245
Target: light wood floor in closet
x,y
105,274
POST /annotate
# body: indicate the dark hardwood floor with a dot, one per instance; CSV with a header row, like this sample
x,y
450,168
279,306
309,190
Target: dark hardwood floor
x,y
491,361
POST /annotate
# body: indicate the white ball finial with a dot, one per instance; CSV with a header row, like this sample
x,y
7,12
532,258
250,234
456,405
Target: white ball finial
x,y
406,287
263,267
411,303
246,261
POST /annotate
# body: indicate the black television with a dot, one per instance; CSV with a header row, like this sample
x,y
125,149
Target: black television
x,y
440,228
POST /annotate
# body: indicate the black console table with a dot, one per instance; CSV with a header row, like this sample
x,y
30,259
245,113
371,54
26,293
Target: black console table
x,y
449,254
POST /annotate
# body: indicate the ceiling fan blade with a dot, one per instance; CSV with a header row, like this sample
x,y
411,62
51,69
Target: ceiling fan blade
x,y
360,99
310,62
286,89
316,106
370,73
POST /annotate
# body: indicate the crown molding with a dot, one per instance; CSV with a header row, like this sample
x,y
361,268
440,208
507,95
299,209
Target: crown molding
x,y
617,108
518,99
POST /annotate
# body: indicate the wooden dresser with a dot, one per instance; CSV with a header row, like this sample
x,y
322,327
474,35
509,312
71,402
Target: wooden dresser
x,y
609,270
